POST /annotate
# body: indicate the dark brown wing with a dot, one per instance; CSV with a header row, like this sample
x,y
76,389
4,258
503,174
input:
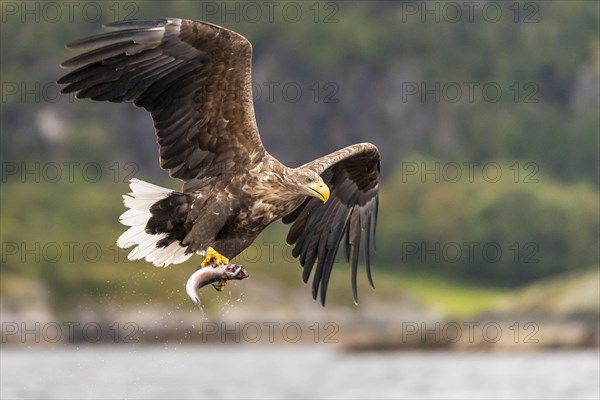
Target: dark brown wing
x,y
193,77
350,216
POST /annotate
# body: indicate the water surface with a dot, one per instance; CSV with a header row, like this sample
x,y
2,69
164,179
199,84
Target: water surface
x,y
188,371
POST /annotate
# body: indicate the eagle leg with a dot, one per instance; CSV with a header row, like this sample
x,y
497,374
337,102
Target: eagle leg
x,y
213,258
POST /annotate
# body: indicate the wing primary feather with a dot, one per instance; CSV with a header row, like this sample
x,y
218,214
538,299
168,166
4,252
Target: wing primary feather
x,y
96,55
333,246
300,225
324,247
303,234
308,265
327,225
321,253
347,246
136,24
310,246
365,214
354,233
368,250
329,261
143,35
374,221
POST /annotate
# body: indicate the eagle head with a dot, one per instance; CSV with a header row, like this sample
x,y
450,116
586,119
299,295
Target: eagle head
x,y
309,183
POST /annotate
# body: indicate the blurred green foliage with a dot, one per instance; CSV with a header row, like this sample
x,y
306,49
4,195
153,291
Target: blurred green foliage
x,y
501,223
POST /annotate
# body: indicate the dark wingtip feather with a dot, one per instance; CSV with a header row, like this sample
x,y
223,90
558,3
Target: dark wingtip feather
x,y
117,36
375,222
308,266
369,277
85,42
305,276
314,293
354,232
98,55
354,282
368,250
323,294
136,24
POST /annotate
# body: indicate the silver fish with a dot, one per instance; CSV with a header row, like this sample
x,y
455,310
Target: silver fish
x,y
213,274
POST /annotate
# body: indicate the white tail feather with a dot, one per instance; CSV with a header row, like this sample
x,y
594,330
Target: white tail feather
x,y
143,195
134,217
139,186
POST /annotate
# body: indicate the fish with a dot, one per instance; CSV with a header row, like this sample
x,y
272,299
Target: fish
x,y
218,275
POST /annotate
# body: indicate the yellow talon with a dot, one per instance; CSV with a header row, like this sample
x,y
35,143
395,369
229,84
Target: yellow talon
x,y
212,257
220,285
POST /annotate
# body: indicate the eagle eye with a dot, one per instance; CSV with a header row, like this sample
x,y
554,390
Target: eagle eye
x,y
308,180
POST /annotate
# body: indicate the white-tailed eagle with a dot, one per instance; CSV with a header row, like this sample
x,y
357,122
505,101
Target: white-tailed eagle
x,y
194,78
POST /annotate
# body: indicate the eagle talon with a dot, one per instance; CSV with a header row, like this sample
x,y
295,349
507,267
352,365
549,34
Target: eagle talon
x,y
213,258
220,285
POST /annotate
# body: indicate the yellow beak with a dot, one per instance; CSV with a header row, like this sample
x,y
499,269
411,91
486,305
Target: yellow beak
x,y
321,190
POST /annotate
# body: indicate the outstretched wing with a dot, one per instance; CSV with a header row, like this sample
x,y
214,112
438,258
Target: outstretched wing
x,y
350,215
193,77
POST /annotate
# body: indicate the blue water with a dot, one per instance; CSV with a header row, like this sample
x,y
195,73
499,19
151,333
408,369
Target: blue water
x,y
188,371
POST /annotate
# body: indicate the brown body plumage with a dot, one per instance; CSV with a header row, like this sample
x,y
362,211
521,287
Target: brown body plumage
x,y
195,80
